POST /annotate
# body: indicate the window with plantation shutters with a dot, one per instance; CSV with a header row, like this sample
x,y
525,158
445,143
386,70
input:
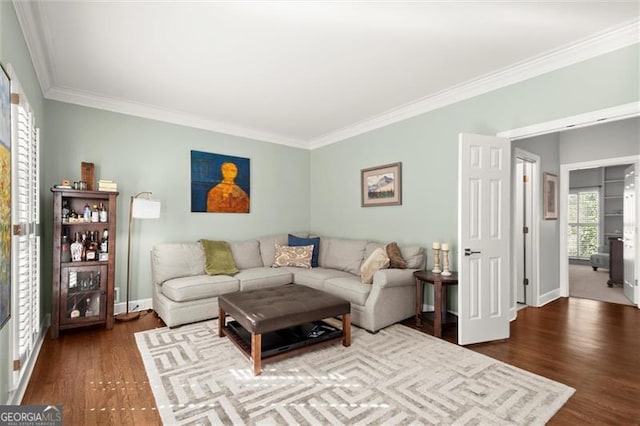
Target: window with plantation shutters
x,y
25,212
583,219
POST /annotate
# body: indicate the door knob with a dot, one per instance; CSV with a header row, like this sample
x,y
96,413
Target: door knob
x,y
468,252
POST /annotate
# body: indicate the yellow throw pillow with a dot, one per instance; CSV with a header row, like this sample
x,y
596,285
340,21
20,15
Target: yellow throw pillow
x,y
299,256
218,258
376,261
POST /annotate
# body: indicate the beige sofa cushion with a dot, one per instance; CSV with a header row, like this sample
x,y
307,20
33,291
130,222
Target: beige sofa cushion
x,y
378,260
246,254
199,287
342,254
348,288
265,277
268,247
316,277
173,260
414,255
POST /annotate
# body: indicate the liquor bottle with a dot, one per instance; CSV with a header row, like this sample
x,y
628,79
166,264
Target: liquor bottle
x,y
104,216
86,213
65,250
76,248
65,211
90,251
75,312
73,214
88,312
104,243
84,246
95,214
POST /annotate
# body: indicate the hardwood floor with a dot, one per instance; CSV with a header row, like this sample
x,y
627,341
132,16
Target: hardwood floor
x,y
594,347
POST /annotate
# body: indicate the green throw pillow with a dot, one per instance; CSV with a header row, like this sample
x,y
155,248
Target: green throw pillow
x,y
218,258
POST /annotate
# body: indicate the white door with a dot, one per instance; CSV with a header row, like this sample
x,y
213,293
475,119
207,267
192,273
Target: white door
x,y
628,235
522,257
483,238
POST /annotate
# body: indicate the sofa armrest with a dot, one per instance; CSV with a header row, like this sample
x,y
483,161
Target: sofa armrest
x,y
394,278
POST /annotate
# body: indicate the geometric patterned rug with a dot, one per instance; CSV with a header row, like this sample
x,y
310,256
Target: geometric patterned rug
x,y
395,377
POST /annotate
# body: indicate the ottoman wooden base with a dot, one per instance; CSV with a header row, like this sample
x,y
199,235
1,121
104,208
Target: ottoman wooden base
x,y
262,311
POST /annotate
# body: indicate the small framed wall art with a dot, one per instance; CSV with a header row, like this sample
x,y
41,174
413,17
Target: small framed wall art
x,y
550,196
381,185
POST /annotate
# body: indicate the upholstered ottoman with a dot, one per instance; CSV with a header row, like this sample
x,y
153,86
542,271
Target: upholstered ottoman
x,y
266,310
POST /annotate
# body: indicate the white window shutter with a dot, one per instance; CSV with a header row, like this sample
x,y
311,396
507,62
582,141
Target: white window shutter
x,y
25,212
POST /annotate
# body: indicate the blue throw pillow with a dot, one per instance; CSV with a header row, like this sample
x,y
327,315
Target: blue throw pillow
x,y
297,241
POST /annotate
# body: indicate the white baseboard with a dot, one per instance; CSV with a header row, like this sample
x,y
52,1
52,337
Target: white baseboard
x,y
548,297
15,397
134,305
513,312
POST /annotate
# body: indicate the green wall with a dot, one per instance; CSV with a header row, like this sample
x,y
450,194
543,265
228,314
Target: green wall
x,y
427,146
292,189
147,155
13,51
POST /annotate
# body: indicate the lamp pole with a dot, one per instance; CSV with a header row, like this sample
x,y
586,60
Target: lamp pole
x,y
129,316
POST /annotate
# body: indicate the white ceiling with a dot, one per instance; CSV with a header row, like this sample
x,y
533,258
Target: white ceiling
x,y
305,73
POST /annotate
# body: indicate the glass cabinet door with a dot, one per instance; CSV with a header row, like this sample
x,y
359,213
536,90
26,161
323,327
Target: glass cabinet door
x,y
84,293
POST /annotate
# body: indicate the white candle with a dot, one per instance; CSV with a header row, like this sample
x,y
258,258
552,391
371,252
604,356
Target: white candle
x,y
436,246
445,247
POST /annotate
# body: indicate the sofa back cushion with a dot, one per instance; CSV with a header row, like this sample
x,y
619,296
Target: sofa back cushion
x,y
174,260
415,256
342,254
246,254
268,247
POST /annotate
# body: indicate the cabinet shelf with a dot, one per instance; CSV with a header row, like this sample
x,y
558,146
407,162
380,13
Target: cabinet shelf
x,y
83,291
84,223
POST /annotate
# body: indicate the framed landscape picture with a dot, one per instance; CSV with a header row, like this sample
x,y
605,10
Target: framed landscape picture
x,y
381,185
550,196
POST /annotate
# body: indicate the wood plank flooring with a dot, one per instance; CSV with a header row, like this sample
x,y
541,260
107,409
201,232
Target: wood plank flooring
x,y
98,376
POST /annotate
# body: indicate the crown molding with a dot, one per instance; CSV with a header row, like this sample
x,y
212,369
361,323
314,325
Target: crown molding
x,y
37,35
35,29
602,43
93,100
607,115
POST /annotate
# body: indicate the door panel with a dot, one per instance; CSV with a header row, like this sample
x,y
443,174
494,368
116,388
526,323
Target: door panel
x,y
483,226
629,227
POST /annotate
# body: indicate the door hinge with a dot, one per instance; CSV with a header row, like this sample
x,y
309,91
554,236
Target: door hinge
x,y
525,229
525,178
19,230
526,281
17,365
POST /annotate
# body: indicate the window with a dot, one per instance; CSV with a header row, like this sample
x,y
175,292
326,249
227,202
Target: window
x,y
25,217
584,223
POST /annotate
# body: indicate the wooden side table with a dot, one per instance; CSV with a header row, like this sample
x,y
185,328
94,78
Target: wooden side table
x,y
439,317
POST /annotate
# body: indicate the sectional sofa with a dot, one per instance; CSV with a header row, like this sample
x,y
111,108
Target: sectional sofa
x,y
184,293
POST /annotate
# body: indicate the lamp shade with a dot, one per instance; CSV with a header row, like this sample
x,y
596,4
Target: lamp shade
x,y
145,209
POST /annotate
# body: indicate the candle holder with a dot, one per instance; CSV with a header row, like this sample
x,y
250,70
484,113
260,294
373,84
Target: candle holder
x,y
436,261
445,264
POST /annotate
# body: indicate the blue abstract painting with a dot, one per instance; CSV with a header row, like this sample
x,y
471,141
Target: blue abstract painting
x,y
220,183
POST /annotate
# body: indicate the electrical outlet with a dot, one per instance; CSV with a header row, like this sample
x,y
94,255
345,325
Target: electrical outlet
x,y
116,294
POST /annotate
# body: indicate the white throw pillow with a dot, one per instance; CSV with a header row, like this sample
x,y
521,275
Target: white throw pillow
x,y
378,260
299,256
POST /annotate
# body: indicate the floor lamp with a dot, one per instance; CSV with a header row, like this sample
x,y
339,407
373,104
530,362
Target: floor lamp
x,y
140,208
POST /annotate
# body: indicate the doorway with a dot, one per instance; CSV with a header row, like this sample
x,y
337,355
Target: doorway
x,y
613,172
621,112
525,230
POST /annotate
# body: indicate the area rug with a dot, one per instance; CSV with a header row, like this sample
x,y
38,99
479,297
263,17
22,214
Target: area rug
x,y
396,376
